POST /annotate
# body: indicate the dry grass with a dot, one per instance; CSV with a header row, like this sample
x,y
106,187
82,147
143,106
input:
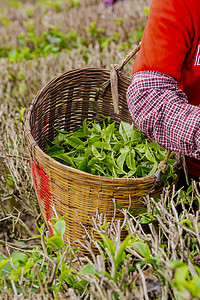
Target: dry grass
x,y
44,17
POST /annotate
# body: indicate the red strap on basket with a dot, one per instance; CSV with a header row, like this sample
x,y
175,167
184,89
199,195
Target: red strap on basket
x,y
41,182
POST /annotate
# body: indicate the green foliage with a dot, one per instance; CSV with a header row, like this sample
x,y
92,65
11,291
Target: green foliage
x,y
47,268
5,22
59,5
52,41
136,36
94,31
102,148
15,3
44,268
184,282
21,115
99,35
118,254
169,174
31,46
142,248
146,10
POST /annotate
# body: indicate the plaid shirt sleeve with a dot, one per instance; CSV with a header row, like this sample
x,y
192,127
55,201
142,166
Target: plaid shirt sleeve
x,y
162,112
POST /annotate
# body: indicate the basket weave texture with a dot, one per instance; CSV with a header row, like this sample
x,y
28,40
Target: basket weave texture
x,y
63,104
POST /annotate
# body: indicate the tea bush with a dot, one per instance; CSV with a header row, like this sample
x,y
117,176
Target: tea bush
x,y
155,263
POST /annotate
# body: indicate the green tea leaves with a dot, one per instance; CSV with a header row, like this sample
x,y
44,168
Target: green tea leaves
x,y
88,269
130,161
108,133
55,151
142,248
121,160
105,149
149,155
65,159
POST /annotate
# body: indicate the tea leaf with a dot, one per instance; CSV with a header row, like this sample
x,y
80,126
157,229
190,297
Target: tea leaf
x,y
142,248
56,241
95,151
108,133
153,170
149,155
102,145
130,161
59,227
108,243
123,132
65,274
88,269
121,159
83,165
55,151
65,158
74,142
85,128
99,168
121,252
3,263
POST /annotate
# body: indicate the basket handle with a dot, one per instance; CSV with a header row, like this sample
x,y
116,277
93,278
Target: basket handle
x,y
113,80
128,57
114,74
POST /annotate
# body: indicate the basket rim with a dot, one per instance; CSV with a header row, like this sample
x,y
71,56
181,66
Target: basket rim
x,y
45,87
62,167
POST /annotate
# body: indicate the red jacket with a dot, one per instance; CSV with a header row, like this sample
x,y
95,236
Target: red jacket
x,y
171,45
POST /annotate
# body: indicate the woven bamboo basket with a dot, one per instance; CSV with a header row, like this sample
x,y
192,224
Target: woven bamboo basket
x,y
64,103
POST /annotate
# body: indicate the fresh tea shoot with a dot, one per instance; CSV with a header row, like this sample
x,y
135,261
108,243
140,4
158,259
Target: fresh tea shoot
x,y
103,148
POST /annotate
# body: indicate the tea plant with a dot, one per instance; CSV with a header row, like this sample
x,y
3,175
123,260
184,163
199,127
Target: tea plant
x,y
39,269
159,263
21,115
32,46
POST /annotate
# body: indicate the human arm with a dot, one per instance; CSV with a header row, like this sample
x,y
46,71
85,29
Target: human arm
x,y
162,112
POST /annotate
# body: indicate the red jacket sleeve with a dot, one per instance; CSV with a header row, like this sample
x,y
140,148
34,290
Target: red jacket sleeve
x,y
167,38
